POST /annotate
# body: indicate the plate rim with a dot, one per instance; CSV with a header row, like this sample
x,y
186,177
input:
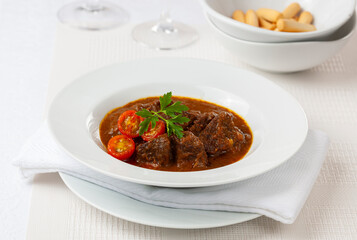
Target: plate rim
x,y
67,179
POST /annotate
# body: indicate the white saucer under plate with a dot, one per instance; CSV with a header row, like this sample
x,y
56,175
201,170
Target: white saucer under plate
x,y
133,210
278,122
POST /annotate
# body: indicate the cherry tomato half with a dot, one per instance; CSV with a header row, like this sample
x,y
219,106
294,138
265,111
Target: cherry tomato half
x,y
152,133
128,123
121,147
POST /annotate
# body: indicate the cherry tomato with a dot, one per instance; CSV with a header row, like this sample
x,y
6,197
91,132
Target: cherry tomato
x,y
152,133
128,123
121,147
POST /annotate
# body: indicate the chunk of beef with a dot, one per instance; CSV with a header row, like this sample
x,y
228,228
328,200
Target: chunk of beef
x,y
156,152
192,115
220,135
151,106
201,122
189,151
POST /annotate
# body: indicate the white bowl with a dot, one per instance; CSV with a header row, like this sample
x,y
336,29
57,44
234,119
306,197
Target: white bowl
x,y
286,57
278,122
329,15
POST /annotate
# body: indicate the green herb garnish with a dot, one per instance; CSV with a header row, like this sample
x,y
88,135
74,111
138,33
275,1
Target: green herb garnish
x,y
173,113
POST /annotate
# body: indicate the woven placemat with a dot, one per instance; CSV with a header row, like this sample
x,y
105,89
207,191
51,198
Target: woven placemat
x,y
327,93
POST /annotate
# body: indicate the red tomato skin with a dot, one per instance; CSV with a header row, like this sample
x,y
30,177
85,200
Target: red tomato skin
x,y
114,144
154,133
136,121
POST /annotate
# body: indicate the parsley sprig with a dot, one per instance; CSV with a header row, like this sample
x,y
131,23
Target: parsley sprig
x,y
173,113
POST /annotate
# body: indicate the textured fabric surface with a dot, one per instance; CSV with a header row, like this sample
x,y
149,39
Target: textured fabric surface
x,y
326,92
278,194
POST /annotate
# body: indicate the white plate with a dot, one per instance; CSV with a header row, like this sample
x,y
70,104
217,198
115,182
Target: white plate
x,y
132,210
277,120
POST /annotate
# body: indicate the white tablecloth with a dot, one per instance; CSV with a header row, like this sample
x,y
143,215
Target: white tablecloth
x,y
27,32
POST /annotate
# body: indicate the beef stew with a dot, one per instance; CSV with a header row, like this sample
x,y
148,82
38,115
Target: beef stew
x,y
213,137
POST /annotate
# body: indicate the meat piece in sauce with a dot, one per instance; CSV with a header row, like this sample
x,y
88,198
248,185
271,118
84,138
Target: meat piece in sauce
x,y
220,135
156,152
192,115
151,106
201,122
189,151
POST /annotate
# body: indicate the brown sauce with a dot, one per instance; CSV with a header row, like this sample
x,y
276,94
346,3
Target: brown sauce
x,y
108,128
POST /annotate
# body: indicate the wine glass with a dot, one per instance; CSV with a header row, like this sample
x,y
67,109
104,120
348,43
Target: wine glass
x,y
92,15
164,34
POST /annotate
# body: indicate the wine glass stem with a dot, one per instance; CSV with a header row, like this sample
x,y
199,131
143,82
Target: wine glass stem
x,y
165,24
93,6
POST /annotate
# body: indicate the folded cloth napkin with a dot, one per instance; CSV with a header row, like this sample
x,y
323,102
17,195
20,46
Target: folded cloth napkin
x,y
278,194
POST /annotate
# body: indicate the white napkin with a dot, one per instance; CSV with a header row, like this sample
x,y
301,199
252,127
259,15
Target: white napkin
x,y
278,194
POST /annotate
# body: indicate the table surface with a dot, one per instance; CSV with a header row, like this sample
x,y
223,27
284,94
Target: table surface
x,y
28,39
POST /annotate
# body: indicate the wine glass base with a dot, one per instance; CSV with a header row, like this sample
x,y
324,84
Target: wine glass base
x,y
92,16
182,36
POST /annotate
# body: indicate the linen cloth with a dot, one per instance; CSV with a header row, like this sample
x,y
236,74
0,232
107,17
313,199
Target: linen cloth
x,y
278,194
